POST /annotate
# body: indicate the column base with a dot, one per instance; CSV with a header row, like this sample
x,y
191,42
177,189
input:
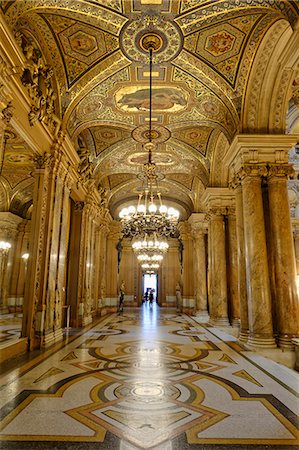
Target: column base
x,y
86,320
220,322
286,341
243,337
261,342
52,337
202,316
236,323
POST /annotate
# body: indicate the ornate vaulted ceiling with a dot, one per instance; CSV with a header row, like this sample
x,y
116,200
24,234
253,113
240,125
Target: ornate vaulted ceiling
x,y
200,77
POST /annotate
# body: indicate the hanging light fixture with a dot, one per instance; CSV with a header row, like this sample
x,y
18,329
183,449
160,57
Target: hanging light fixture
x,y
151,221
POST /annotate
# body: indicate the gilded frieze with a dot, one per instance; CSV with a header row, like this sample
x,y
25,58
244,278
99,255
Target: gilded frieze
x,y
209,11
93,13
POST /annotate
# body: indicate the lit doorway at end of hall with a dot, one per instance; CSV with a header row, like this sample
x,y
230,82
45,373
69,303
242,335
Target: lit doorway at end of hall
x,y
150,283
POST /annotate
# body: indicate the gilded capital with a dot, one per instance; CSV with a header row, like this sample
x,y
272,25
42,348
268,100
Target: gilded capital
x,y
253,170
280,171
44,161
217,212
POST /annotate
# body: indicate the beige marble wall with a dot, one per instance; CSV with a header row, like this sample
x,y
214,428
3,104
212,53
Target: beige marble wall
x,y
284,257
257,273
169,275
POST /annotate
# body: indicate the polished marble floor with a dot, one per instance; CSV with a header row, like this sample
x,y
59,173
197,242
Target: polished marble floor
x,y
10,327
148,379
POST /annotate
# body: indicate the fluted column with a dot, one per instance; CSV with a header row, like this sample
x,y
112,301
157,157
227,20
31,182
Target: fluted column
x,y
257,274
241,266
284,257
218,275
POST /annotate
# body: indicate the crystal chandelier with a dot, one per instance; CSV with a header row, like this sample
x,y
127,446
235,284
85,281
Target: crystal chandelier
x,y
150,218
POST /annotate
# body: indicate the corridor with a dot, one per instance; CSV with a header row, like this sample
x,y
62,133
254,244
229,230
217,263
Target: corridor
x,y
148,379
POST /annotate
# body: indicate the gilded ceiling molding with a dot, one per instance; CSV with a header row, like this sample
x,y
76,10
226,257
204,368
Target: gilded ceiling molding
x,y
217,178
94,14
255,115
205,14
117,149
189,149
101,123
88,105
194,68
4,194
103,70
280,101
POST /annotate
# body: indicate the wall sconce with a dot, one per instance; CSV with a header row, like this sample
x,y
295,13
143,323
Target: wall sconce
x,y
25,256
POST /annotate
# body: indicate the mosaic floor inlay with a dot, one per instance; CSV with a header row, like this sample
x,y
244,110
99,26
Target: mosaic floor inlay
x,y
148,379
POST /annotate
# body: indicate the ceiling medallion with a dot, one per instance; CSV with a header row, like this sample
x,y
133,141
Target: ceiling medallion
x,y
158,134
163,36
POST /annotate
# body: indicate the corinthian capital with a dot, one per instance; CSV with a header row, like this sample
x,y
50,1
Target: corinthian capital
x,y
280,170
43,161
253,170
217,212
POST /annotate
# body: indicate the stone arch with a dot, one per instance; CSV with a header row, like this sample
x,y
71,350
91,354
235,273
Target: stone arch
x,y
219,173
268,88
4,196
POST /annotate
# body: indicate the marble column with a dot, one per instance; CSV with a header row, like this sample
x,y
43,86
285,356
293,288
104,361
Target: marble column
x,y
200,275
257,274
187,275
218,275
234,299
287,312
39,250
241,266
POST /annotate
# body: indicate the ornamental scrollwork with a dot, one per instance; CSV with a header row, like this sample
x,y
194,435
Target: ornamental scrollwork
x,y
252,170
37,77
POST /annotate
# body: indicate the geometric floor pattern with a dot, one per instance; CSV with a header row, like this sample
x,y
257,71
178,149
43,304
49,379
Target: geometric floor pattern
x,y
148,379
10,327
